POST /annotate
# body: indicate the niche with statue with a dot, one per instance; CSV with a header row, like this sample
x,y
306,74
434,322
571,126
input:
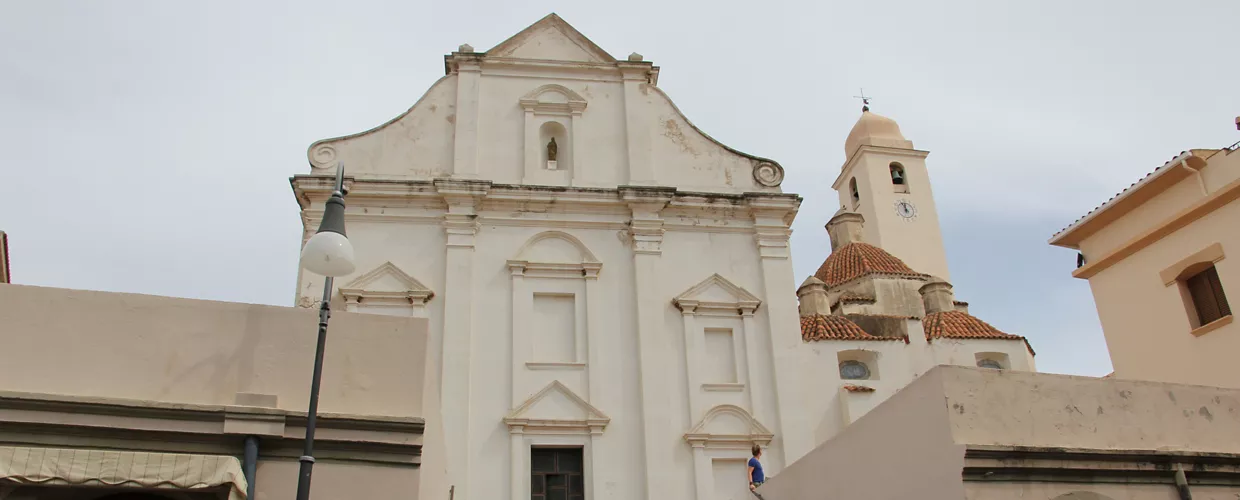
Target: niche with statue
x,y
552,114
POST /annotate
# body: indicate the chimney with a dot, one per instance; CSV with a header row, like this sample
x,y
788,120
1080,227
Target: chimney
x,y
937,296
813,297
845,228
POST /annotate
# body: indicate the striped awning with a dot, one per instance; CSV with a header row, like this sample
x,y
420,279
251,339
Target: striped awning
x,y
65,466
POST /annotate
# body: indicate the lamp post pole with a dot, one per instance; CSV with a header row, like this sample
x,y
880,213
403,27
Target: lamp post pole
x,y
331,255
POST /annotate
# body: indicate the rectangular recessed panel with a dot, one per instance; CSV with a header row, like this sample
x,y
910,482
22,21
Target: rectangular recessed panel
x,y
730,480
720,362
553,329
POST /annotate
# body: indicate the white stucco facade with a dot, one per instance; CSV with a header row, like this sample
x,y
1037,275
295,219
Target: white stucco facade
x,y
632,297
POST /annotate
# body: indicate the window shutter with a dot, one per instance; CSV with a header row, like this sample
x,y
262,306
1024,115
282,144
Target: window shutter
x,y
1216,286
1202,292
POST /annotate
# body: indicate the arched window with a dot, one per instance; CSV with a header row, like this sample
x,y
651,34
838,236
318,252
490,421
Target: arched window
x,y
899,180
854,370
852,189
992,360
989,363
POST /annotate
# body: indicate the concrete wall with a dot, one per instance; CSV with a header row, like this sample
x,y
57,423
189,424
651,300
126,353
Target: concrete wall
x,y
1043,410
1149,327
914,444
148,348
902,449
101,370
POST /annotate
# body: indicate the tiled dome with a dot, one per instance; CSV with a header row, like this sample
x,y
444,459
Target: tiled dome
x,y
855,260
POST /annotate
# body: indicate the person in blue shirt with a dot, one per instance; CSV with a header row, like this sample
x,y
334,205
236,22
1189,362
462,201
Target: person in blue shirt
x,y
756,477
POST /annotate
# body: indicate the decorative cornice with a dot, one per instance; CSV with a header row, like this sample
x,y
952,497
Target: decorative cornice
x,y
37,415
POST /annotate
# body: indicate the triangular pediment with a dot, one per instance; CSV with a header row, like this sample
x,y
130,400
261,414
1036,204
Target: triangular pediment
x,y
385,280
717,292
556,403
551,38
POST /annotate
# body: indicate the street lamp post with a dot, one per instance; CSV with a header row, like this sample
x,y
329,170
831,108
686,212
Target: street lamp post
x,y
330,254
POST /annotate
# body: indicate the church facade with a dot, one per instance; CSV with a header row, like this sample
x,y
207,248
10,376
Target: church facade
x,y
612,306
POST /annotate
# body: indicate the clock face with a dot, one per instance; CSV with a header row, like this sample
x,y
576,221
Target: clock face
x,y
906,209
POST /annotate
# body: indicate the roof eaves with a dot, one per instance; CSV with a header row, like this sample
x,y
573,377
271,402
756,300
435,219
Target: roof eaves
x,y
1058,238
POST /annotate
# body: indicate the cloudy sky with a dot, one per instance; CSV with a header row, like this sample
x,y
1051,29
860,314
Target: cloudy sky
x,y
147,145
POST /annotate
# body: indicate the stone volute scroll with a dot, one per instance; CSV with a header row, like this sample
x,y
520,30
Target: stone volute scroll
x,y
768,174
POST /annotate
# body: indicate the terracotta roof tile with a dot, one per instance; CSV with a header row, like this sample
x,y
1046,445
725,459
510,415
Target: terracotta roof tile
x,y
858,388
855,260
961,325
831,327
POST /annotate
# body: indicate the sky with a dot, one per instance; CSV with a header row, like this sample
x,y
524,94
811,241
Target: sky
x,y
147,145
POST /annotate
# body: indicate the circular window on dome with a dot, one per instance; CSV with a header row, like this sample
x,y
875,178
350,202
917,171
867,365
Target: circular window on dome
x,y
989,363
854,370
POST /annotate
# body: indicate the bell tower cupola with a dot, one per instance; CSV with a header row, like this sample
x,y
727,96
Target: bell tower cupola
x,y
886,181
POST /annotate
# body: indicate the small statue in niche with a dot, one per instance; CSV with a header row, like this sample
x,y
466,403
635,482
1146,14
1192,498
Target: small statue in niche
x,y
552,150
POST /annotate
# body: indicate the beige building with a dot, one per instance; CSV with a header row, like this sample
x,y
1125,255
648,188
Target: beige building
x,y
110,393
1156,257
967,433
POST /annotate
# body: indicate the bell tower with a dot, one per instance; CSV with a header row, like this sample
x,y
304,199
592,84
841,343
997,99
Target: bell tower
x,y
886,181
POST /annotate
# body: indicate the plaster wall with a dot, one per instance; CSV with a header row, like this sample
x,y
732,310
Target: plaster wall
x,y
893,365
1147,323
417,144
604,142
688,257
900,450
278,479
1143,217
990,407
148,348
926,428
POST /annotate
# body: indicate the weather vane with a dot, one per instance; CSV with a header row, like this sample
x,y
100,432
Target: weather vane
x,y
865,101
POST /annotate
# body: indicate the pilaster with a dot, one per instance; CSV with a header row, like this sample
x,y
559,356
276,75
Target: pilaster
x,y
468,68
519,483
772,216
460,224
594,372
646,237
637,129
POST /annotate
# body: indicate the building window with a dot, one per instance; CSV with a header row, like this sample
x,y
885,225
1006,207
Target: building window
x,y
992,360
852,189
898,179
556,474
854,370
1206,293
